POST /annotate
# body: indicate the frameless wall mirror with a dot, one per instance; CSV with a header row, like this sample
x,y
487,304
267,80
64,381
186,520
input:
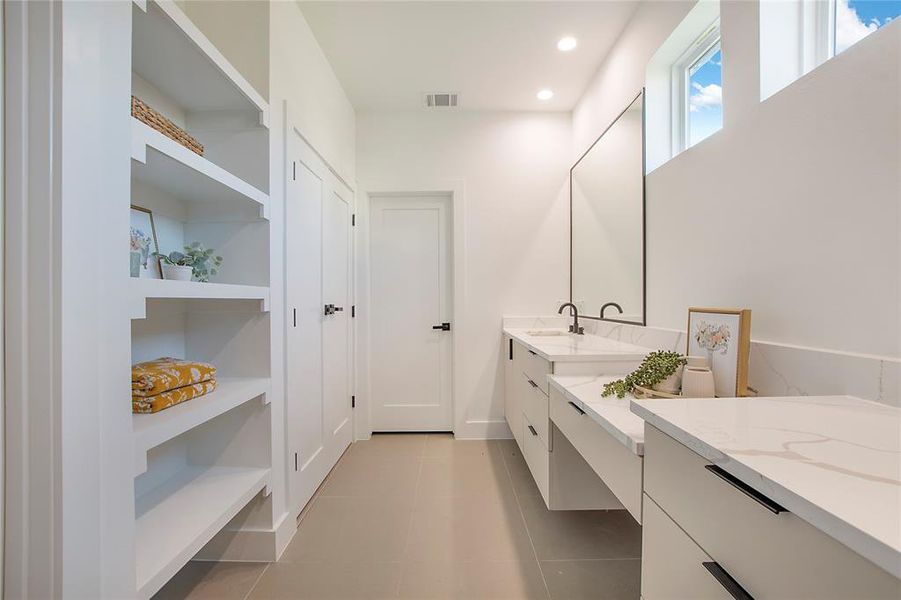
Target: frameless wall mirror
x,y
607,262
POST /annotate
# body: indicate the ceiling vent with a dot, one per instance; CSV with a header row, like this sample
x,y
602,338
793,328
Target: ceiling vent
x,y
441,100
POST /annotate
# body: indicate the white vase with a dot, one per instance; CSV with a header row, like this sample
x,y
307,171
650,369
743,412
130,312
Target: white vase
x,y
177,272
671,384
697,382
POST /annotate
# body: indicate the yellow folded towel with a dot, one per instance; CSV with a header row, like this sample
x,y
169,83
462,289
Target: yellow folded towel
x,y
163,374
152,404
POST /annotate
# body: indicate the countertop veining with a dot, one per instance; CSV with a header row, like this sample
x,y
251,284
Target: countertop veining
x,y
612,414
576,348
834,461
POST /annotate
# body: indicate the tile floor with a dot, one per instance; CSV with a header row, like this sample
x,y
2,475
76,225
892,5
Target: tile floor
x,y
426,516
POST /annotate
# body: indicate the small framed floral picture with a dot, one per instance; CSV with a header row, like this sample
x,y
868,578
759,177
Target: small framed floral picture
x,y
723,337
142,244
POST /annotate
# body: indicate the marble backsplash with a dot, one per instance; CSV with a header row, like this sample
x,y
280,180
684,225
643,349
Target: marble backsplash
x,y
775,369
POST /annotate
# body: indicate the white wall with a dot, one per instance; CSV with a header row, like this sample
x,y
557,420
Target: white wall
x,y
301,74
792,209
240,30
512,168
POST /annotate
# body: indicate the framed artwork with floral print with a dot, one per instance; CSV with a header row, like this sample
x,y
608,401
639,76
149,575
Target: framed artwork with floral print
x,y
723,337
142,244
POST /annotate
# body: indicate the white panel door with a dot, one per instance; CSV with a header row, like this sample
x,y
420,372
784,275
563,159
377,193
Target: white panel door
x,y
410,355
336,330
318,416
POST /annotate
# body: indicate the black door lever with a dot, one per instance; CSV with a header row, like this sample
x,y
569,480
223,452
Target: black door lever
x,y
442,327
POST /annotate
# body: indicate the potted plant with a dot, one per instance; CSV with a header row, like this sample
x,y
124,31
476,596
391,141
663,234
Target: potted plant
x,y
661,368
176,266
197,261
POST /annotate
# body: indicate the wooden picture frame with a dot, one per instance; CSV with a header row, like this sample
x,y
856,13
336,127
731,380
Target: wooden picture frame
x,y
154,269
723,336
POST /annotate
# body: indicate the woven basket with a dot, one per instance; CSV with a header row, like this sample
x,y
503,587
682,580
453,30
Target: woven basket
x,y
147,115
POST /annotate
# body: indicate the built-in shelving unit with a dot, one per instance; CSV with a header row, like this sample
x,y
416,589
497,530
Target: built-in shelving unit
x,y
172,53
200,463
142,290
177,518
166,165
153,430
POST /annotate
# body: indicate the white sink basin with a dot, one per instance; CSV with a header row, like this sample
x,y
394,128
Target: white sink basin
x,y
546,332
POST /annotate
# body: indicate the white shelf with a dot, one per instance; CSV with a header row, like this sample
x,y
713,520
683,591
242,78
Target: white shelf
x,y
154,429
165,164
170,52
176,519
142,289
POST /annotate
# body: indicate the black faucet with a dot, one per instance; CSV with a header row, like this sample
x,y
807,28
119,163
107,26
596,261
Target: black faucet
x,y
609,304
574,328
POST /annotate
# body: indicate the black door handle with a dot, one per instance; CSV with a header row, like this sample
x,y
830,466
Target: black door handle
x,y
532,430
329,309
577,407
532,383
745,489
337,308
442,327
725,580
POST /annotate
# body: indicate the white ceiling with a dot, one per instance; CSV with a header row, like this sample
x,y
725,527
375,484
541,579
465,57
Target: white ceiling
x,y
497,55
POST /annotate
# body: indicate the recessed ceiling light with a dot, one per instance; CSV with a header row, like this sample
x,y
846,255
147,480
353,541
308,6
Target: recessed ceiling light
x,y
545,95
566,44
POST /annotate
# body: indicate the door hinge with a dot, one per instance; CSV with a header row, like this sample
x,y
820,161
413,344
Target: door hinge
x,y
294,170
353,220
295,461
353,401
353,311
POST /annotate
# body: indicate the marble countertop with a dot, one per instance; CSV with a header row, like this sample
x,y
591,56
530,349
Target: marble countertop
x,y
611,413
834,461
576,348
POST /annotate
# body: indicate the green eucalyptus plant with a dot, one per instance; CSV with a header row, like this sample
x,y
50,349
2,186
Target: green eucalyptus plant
x,y
656,367
204,262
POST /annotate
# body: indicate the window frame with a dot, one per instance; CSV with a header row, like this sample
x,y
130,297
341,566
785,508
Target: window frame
x,y
817,33
681,89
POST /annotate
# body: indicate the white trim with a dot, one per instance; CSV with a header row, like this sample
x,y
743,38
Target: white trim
x,y
33,561
455,188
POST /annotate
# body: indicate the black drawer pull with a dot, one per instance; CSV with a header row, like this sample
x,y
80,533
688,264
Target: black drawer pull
x,y
532,383
747,490
532,430
725,580
576,406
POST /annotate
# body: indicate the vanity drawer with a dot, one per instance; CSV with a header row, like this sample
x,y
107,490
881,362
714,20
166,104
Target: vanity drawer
x,y
770,555
537,369
537,458
616,465
535,407
671,563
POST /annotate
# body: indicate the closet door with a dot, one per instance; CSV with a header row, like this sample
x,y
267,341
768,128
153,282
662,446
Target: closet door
x,y
317,345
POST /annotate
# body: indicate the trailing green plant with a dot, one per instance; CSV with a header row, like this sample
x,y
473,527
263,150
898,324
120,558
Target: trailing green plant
x,y
204,262
656,367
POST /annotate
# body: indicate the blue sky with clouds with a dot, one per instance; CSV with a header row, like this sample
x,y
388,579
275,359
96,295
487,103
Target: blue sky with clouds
x,y
854,20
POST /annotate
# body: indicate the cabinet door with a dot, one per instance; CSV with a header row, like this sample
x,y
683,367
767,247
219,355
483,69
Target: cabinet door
x,y
671,563
512,387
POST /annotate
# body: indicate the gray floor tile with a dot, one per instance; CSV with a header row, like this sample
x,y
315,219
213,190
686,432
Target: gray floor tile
x,y
617,579
580,534
212,580
329,580
481,580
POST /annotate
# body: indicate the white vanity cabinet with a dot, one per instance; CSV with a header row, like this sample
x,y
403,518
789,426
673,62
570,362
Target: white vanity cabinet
x,y
565,480
704,526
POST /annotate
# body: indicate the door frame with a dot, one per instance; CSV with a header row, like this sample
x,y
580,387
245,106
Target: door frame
x,y
292,125
454,189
